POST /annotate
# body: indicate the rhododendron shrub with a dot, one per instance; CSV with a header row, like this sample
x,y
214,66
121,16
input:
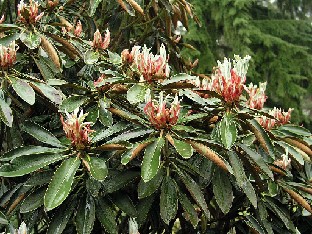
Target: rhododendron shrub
x,y
105,130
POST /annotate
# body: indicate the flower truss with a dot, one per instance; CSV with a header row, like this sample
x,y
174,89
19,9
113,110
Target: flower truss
x,y
279,118
159,115
257,95
99,42
76,130
8,55
150,66
29,14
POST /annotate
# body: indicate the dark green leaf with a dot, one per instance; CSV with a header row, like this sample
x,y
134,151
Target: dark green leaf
x,y
24,90
40,178
41,134
60,185
297,130
258,160
228,130
6,40
105,116
143,209
28,163
151,160
3,219
98,168
85,215
31,39
118,180
130,135
107,216
222,190
189,208
61,217
103,133
146,189
183,148
33,200
72,103
178,78
93,6
28,150
136,93
50,92
194,190
114,57
168,200
123,202
254,224
241,178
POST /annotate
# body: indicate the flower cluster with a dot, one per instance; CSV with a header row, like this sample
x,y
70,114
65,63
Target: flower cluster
x,y
227,81
283,163
150,66
29,14
279,118
8,55
257,95
99,42
159,115
76,30
76,130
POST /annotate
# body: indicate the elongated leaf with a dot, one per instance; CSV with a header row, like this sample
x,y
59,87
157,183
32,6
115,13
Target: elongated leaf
x,y
189,208
33,200
260,133
6,114
183,148
241,178
295,152
91,57
3,219
228,130
73,102
168,200
98,168
31,39
39,179
151,160
85,215
136,93
105,116
118,180
297,130
61,217
124,202
104,133
258,160
194,190
6,40
24,90
143,209
222,190
146,189
60,185
28,163
254,224
136,149
107,216
178,78
41,134
46,71
130,135
50,92
28,150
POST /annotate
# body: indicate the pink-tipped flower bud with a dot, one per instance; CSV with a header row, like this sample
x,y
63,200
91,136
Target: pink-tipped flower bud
x,y
98,42
8,55
29,14
78,29
257,95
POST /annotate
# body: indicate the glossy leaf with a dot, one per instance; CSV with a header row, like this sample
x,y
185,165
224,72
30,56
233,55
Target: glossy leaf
x,y
146,189
168,200
136,93
106,216
104,133
189,208
31,39
151,160
85,215
254,224
50,92
41,134
183,148
130,135
297,130
241,178
24,90
105,116
28,163
33,200
7,39
143,209
91,57
228,130
178,78
98,168
73,102
124,202
222,190
60,185
117,180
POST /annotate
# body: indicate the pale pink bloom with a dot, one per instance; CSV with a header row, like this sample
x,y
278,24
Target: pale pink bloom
x,y
159,115
229,81
29,14
2,19
98,42
76,130
279,117
8,55
257,95
150,66
283,163
78,29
